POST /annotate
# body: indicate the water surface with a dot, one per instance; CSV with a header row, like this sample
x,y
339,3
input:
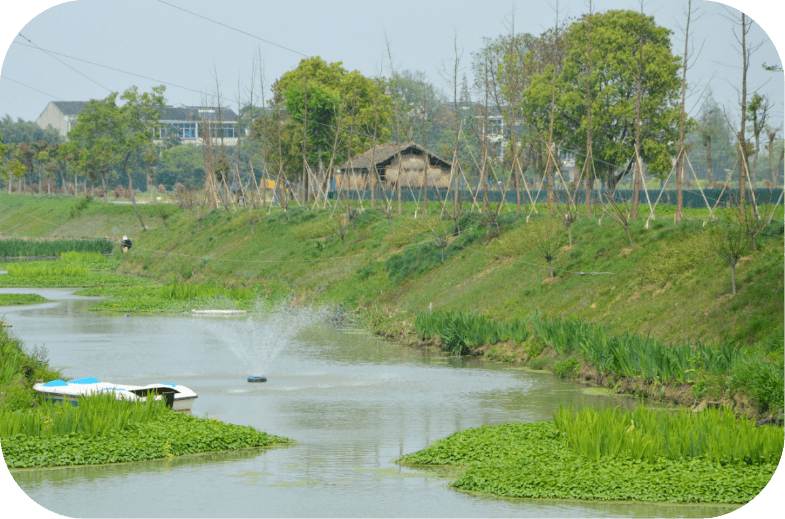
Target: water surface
x,y
352,402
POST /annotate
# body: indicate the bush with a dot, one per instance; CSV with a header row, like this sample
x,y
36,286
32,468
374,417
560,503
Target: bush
x,y
566,368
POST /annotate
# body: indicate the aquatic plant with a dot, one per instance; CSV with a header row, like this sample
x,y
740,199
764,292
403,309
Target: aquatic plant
x,y
40,269
15,247
648,434
462,332
21,299
94,415
168,434
536,461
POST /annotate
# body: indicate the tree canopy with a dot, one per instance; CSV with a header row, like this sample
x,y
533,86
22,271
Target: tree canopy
x,y
617,38
319,94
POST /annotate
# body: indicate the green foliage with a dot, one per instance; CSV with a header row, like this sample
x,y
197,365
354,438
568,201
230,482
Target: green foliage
x,y
23,247
647,434
634,356
614,69
566,368
762,380
187,292
21,299
535,461
461,332
96,415
45,270
161,436
90,260
18,372
414,260
80,206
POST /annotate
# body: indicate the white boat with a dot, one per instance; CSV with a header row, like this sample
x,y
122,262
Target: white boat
x,y
178,397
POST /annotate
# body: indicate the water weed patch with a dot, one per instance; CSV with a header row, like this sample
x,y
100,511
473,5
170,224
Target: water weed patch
x,y
21,299
168,435
535,460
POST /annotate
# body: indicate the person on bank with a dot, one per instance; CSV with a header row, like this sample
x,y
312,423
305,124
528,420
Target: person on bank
x,y
126,244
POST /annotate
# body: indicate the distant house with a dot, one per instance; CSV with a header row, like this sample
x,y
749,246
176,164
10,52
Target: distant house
x,y
61,115
410,171
192,124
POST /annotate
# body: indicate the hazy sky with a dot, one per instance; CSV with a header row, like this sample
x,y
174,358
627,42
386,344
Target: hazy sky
x,y
151,42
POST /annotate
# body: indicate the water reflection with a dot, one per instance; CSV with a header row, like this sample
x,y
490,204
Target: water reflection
x,y
352,402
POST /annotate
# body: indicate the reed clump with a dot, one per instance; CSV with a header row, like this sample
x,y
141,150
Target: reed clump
x,y
15,247
647,434
182,292
94,415
38,270
462,332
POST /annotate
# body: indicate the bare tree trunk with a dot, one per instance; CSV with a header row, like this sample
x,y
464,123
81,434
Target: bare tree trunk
x,y
424,188
589,160
742,135
305,145
636,194
709,170
680,166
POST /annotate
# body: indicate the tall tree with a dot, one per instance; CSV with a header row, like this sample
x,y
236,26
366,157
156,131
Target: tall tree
x,y
328,84
116,136
598,90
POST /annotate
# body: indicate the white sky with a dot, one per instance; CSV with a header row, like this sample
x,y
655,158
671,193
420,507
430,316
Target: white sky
x,y
153,39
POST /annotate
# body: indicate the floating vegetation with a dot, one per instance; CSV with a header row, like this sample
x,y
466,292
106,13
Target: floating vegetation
x,y
168,435
536,461
21,299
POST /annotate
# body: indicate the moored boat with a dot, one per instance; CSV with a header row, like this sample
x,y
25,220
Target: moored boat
x,y
179,398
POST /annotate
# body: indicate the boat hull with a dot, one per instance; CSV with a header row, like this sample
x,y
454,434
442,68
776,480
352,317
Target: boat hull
x,y
179,398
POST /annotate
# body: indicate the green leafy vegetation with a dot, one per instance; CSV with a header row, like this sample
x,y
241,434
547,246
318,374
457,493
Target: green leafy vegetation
x,y
657,320
535,460
461,333
649,434
21,299
168,435
96,415
51,247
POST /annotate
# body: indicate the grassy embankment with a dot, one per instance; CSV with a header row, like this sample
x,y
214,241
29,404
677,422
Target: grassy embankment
x,y
670,287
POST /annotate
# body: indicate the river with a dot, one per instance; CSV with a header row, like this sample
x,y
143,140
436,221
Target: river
x,y
353,404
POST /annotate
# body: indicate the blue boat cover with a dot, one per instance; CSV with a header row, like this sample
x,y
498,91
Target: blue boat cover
x,y
56,383
167,384
86,380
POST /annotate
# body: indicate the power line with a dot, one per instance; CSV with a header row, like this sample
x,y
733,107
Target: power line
x,y
64,63
31,88
235,29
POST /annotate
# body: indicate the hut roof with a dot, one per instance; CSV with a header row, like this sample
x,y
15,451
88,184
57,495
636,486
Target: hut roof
x,y
384,154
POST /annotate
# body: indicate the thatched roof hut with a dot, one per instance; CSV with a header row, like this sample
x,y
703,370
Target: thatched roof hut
x,y
414,165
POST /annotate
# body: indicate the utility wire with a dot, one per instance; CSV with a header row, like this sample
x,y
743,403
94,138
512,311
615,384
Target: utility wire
x,y
235,29
51,55
31,88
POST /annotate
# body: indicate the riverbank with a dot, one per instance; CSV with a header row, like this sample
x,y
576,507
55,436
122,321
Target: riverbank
x,y
388,269
37,434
